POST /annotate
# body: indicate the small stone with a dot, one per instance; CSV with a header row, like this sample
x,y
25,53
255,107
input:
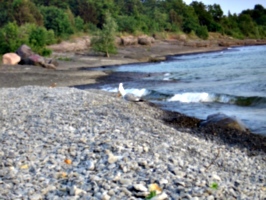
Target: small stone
x,y
105,196
155,187
76,191
162,196
111,158
111,192
125,181
36,197
163,181
210,197
140,187
232,191
216,177
146,149
90,165
126,191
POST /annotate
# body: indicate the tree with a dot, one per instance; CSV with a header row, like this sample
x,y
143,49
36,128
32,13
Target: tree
x,y
9,40
216,12
105,40
24,11
57,20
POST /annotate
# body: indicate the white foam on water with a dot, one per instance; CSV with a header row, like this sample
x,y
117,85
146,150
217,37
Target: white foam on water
x,y
110,89
194,97
137,92
190,97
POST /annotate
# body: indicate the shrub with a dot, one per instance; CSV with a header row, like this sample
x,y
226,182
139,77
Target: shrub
x,y
79,24
9,38
105,40
12,37
57,20
202,32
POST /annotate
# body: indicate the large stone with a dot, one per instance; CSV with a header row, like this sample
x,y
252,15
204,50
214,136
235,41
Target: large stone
x,y
11,59
225,121
129,40
182,37
28,57
145,40
24,51
78,44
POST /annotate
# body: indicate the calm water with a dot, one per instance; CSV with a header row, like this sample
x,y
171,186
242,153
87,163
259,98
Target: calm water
x,y
231,81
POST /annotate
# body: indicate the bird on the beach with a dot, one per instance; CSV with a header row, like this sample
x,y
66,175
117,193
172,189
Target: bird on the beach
x,y
128,96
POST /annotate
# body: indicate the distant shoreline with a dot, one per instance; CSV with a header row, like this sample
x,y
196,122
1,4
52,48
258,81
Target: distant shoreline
x,y
68,72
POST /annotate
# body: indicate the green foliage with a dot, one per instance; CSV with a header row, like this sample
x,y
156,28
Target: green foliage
x,y
105,40
246,25
91,28
202,32
214,186
63,18
79,23
24,11
39,37
9,40
216,12
151,195
127,24
57,20
13,36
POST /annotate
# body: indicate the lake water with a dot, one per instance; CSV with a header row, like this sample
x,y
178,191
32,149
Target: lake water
x,y
231,81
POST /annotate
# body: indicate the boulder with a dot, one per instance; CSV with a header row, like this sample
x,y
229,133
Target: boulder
x,y
118,41
78,44
203,44
227,43
145,40
11,59
28,57
129,40
224,121
190,44
182,37
24,51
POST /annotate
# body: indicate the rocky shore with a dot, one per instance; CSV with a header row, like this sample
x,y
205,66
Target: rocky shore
x,y
75,55
65,143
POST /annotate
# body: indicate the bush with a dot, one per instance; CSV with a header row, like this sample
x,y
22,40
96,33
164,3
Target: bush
x,y
79,24
202,32
127,24
39,37
12,37
57,20
104,42
9,38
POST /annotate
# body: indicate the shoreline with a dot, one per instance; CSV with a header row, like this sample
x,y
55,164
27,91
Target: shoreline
x,y
73,144
69,74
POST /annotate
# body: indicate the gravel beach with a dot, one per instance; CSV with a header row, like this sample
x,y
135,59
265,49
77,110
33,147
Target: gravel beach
x,y
65,143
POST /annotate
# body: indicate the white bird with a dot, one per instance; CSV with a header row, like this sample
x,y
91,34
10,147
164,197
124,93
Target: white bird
x,y
128,96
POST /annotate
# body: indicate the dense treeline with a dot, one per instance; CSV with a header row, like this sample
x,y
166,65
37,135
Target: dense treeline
x,y
42,22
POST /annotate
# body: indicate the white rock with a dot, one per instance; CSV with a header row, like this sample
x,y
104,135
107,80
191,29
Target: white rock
x,y
216,177
162,196
111,157
76,191
105,196
140,187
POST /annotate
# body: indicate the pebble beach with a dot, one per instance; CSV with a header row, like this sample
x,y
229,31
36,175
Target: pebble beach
x,y
65,143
